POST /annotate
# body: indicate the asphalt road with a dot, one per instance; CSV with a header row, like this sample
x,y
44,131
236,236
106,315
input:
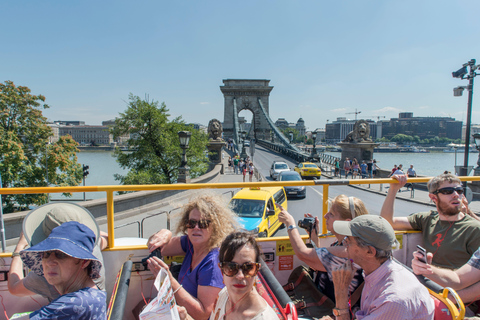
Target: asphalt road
x,y
133,227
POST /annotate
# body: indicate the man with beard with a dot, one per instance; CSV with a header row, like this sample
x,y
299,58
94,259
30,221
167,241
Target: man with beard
x,y
448,233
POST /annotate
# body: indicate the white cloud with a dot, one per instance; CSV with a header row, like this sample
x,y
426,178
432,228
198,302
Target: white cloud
x,y
387,109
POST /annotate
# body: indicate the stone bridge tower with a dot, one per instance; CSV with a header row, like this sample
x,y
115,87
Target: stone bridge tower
x,y
244,93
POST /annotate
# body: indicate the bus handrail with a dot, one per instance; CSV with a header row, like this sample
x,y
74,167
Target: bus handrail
x,y
326,183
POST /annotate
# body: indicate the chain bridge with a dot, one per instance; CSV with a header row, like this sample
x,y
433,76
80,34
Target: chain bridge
x,y
253,95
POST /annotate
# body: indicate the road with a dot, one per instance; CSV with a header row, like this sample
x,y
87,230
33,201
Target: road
x,y
263,159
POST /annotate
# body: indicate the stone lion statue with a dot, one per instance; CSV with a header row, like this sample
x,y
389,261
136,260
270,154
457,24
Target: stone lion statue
x,y
360,133
215,130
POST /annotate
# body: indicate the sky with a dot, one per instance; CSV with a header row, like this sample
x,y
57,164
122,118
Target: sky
x,y
325,59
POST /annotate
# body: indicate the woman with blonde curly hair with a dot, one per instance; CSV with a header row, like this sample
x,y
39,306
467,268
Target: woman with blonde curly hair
x,y
204,222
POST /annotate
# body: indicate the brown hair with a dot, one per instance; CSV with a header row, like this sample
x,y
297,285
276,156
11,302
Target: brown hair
x,y
435,182
214,208
234,242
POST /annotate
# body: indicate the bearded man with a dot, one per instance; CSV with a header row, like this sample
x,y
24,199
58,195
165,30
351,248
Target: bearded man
x,y
450,233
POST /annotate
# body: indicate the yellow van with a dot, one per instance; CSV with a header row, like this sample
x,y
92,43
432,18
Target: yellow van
x,y
256,209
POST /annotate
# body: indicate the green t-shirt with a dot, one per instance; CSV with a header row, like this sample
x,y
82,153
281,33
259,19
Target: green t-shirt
x,y
452,243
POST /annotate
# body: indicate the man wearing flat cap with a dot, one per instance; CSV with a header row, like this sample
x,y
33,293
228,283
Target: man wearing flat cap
x,y
390,290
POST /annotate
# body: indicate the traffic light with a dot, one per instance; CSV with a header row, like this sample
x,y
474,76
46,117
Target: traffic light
x,y
85,170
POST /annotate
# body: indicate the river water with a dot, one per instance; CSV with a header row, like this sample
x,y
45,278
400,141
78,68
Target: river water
x,y
103,166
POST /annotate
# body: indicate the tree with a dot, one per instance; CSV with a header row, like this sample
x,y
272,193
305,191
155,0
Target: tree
x,y
25,153
155,147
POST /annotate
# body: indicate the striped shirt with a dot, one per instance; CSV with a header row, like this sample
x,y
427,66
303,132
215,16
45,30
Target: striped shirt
x,y
393,292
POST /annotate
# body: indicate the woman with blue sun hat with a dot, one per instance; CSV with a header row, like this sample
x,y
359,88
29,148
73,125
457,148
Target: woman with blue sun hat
x,y
66,261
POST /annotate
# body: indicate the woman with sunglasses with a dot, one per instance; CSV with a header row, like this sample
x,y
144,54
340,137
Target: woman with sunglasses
x,y
66,261
204,222
342,208
239,262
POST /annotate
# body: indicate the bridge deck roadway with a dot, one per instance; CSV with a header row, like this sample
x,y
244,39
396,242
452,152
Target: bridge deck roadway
x,y
296,207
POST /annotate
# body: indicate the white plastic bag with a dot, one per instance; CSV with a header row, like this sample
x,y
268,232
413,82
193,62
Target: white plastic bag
x,y
164,305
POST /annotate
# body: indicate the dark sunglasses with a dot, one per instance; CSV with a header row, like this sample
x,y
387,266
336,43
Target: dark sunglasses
x,y
58,254
202,224
449,190
230,269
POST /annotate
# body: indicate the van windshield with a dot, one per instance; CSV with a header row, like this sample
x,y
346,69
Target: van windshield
x,y
248,208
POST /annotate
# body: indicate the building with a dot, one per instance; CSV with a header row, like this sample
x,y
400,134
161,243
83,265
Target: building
x,y
423,127
337,130
474,128
282,124
88,135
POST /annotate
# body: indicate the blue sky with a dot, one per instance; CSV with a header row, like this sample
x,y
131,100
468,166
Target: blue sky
x,y
324,58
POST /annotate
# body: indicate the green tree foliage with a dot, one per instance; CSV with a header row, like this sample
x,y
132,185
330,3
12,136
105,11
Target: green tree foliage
x,y
25,152
156,153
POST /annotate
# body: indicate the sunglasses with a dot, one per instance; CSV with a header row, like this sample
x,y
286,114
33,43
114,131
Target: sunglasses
x,y
202,224
230,269
58,254
449,190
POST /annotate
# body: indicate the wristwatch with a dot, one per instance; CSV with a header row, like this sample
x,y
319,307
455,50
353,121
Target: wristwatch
x,y
340,312
291,227
15,254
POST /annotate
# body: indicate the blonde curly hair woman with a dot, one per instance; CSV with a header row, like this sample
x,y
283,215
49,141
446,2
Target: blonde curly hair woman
x,y
204,222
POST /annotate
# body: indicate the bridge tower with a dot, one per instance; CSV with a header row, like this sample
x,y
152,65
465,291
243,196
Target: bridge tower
x,y
241,94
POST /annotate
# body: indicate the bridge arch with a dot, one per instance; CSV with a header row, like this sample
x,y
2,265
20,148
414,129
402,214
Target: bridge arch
x,y
246,94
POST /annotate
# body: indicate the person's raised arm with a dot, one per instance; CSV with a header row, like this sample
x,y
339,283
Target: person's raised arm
x,y
342,277
15,274
307,255
170,246
398,223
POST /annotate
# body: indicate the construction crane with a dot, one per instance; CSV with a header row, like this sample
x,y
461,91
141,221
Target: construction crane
x,y
356,112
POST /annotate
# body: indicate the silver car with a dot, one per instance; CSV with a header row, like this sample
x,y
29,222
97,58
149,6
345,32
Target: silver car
x,y
277,167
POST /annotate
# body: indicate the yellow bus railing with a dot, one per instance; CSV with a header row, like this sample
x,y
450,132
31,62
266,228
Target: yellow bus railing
x,y
326,183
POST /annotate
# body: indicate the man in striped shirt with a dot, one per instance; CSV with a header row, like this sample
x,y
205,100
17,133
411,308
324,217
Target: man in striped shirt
x,y
390,290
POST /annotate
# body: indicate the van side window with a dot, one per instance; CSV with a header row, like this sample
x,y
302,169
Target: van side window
x,y
279,196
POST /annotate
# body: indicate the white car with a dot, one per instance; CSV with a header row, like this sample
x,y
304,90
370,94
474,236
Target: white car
x,y
277,167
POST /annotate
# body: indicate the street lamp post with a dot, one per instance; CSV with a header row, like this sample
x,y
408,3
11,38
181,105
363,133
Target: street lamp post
x,y
314,138
184,169
2,223
243,135
463,73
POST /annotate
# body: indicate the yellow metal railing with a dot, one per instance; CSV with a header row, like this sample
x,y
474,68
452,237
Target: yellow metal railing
x,y
326,183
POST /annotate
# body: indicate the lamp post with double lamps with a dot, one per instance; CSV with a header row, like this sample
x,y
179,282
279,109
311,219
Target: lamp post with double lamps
x,y
243,136
463,73
184,169
314,149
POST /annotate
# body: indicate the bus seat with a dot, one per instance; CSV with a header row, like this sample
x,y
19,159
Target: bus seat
x,y
116,306
271,290
446,309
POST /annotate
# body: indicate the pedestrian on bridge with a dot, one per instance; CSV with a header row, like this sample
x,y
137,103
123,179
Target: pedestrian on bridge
x,y
235,163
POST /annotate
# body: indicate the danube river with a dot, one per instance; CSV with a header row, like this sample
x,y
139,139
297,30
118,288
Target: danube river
x,y
103,166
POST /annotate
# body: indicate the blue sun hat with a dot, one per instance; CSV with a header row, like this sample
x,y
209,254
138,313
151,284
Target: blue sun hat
x,y
72,238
